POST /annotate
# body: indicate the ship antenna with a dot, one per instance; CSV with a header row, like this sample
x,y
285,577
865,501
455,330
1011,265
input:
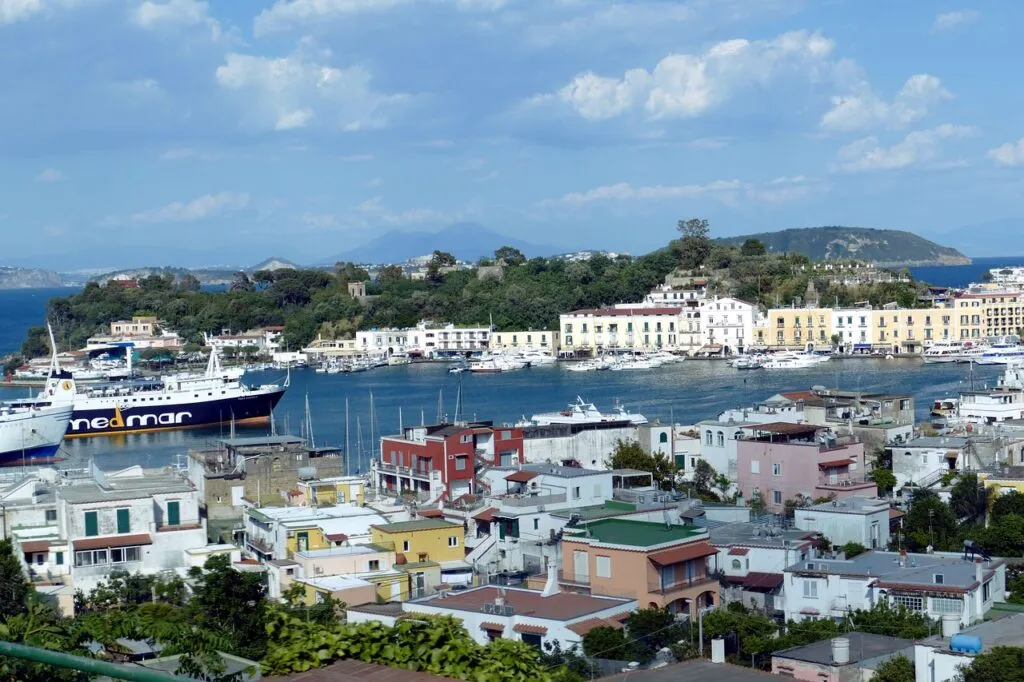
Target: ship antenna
x,y
54,365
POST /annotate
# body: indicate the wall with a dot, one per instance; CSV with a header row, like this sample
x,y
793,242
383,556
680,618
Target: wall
x,y
935,665
433,542
799,472
722,457
362,594
591,448
342,563
841,528
921,463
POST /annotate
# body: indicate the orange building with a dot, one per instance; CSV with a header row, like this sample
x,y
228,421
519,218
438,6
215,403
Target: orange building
x,y
657,564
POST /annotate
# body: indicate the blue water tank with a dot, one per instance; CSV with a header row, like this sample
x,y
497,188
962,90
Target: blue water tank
x,y
965,644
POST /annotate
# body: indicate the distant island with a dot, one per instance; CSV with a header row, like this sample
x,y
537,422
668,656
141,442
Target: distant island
x,y
888,248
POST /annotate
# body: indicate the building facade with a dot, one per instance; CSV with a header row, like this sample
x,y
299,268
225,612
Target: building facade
x,y
529,339
727,324
639,328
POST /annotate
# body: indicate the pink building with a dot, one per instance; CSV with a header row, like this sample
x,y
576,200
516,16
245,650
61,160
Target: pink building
x,y
852,657
784,461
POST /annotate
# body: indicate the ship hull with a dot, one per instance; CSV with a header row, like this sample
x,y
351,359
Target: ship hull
x,y
106,417
32,436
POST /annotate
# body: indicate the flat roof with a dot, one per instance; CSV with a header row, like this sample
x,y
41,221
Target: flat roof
x,y
333,583
257,441
389,608
562,471
999,632
349,550
697,670
633,533
863,645
936,442
128,488
563,606
745,534
786,428
417,524
298,514
850,505
919,570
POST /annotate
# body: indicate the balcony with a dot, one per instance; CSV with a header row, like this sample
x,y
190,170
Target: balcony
x,y
656,587
418,474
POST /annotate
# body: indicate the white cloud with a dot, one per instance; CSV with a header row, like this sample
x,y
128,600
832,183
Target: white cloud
x,y
779,190
19,10
285,15
688,85
302,90
1009,154
50,175
950,20
918,147
176,14
203,207
376,212
863,109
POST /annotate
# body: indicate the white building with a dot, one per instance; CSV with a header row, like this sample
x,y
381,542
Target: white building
x,y
939,584
266,340
924,460
590,445
530,616
991,406
727,324
532,339
269,529
940,658
667,295
854,328
637,328
426,339
863,520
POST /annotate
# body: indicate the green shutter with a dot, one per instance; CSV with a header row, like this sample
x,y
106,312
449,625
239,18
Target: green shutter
x,y
124,524
92,525
173,513
60,558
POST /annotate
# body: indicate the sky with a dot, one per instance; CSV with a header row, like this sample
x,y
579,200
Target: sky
x,y
149,132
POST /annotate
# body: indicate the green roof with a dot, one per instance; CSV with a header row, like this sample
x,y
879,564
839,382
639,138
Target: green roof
x,y
597,511
418,524
635,533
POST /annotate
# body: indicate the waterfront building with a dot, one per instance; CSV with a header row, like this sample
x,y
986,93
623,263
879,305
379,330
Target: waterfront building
x,y
682,295
529,339
530,616
441,460
987,310
854,329
937,585
727,324
910,330
426,339
322,349
863,520
795,328
782,461
266,340
659,564
634,328
139,325
280,532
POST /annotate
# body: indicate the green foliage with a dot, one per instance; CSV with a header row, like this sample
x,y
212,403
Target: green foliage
x,y
1015,586
753,247
14,588
693,249
36,343
896,669
1000,664
969,498
838,243
852,549
230,603
605,642
510,255
650,630
568,665
757,504
1010,503
38,626
930,521
883,478
629,455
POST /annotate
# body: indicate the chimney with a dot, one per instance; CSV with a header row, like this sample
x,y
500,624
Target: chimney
x,y
551,586
979,569
903,558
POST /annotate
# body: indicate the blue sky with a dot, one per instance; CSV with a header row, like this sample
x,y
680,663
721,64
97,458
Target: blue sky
x,y
301,128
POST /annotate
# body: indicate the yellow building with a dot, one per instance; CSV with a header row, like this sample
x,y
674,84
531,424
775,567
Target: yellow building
x,y
795,328
988,311
544,340
327,492
422,540
305,537
911,330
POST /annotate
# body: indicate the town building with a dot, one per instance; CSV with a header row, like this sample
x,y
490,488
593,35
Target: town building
x,y
280,532
659,564
937,585
426,339
727,325
139,325
530,616
589,444
924,460
795,328
530,339
441,460
910,330
941,658
434,545
322,349
636,328
862,520
264,341
852,656
781,461
987,310
853,327
688,295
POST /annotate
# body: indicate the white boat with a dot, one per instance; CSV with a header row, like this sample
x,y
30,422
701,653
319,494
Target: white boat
x,y
33,429
942,352
628,365
538,358
497,364
399,359
582,412
793,360
1001,351
748,362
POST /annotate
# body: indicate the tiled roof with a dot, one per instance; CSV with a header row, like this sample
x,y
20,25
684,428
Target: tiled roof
x,y
638,310
486,514
739,551
563,606
763,581
694,550
530,629
585,626
521,476
113,541
494,627
35,546
431,513
835,463
896,514
336,537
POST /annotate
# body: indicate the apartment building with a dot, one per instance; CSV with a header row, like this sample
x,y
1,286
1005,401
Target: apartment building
x,y
426,339
988,310
863,520
431,551
280,532
529,339
854,328
636,328
727,324
795,328
911,330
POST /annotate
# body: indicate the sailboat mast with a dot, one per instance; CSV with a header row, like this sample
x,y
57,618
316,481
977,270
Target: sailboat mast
x,y
309,424
348,444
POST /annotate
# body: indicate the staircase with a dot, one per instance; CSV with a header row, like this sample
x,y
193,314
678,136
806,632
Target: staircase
x,y
481,552
932,478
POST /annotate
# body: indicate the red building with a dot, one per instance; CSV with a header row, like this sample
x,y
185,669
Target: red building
x,y
442,460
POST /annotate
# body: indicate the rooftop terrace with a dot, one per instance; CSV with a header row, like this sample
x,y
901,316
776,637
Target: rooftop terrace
x,y
633,533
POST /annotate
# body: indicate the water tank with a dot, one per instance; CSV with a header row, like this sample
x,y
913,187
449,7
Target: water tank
x,y
965,644
840,650
718,650
950,625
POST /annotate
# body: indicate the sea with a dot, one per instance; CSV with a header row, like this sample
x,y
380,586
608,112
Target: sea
x,y
353,410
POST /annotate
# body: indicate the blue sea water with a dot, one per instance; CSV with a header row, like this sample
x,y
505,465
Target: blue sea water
x,y
962,275
21,309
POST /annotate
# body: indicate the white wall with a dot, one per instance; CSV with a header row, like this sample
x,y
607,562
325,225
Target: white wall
x,y
591,448
722,457
936,665
841,528
920,463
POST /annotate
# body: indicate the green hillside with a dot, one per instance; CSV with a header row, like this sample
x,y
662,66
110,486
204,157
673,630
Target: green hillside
x,y
885,247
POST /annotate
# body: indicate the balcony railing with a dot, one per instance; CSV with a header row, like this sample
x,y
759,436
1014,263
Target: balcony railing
x,y
656,587
520,500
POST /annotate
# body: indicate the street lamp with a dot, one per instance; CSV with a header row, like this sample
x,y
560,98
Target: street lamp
x,y
700,626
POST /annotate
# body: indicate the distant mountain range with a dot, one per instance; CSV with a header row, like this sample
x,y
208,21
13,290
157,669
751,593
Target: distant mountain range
x,y
465,241
883,247
989,239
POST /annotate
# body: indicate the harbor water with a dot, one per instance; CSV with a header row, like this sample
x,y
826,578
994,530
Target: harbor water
x,y
684,393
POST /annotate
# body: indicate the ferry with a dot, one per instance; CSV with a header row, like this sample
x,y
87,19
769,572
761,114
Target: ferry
x,y
33,429
1001,352
178,401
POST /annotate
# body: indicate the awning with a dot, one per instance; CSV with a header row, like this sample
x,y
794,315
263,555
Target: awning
x,y
763,581
521,476
336,537
530,629
896,514
694,550
115,541
952,454
32,546
835,463
810,612
493,627
862,346
487,515
739,551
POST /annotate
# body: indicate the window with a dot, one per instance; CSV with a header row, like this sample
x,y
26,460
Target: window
x,y
173,513
986,591
603,566
810,589
911,603
532,639
506,435
92,524
51,515
721,439
709,438
405,545
460,463
663,437
124,523
736,564
59,559
453,541
938,578
373,565
576,493
776,469
755,466
536,524
946,605
776,497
